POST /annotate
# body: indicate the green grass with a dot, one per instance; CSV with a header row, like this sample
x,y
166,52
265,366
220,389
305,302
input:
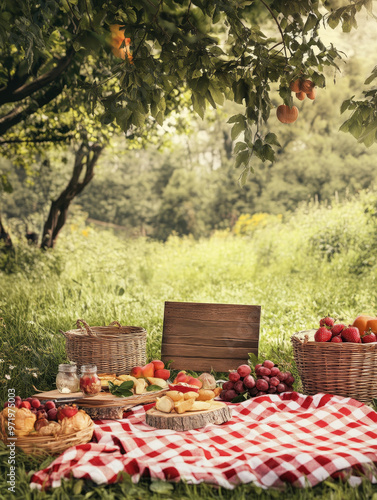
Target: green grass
x,y
319,261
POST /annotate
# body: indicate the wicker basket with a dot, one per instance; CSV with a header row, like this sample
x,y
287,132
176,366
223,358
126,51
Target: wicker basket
x,y
39,445
346,369
113,349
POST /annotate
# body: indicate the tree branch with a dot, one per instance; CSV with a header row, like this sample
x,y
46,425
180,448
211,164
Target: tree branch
x,y
278,25
37,140
18,114
12,93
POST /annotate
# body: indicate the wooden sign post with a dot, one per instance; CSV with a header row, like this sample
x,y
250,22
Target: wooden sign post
x,y
201,337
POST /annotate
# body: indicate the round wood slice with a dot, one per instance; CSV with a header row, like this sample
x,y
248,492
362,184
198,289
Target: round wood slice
x,y
217,414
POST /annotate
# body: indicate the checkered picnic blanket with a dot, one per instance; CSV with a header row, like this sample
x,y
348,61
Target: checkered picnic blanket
x,y
269,441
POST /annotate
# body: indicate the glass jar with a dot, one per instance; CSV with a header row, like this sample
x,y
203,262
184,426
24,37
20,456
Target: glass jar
x,y
67,380
89,381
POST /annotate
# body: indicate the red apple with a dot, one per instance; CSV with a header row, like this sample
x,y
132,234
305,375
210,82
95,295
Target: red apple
x,y
25,404
35,403
158,365
163,373
137,372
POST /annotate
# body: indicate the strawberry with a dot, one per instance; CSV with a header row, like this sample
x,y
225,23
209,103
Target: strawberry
x,y
368,337
336,339
337,329
322,334
327,322
351,334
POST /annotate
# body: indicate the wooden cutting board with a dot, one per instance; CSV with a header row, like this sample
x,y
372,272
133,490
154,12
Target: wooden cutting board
x,y
104,399
217,414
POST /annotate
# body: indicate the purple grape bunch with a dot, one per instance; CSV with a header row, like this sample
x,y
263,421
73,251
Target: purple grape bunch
x,y
268,380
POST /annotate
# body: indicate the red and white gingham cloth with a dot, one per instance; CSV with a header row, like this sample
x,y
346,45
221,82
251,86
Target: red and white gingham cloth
x,y
270,440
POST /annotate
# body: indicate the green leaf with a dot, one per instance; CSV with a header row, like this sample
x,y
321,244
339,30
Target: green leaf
x,y
243,177
236,118
237,129
345,105
372,76
310,23
122,390
152,388
268,153
272,139
333,21
355,129
240,398
242,158
199,104
240,146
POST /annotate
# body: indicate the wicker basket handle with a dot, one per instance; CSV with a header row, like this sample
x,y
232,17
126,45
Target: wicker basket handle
x,y
86,326
116,323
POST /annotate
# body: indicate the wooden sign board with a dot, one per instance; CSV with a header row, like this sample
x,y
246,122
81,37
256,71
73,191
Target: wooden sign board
x,y
201,337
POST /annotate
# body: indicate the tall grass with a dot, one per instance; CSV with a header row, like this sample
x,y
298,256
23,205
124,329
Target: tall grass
x,y
321,260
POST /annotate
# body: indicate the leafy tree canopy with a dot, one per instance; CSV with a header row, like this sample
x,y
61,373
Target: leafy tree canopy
x,y
131,60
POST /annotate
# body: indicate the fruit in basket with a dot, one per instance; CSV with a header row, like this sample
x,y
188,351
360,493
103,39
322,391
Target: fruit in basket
x,y
67,411
361,322
35,403
368,337
41,414
337,329
371,325
337,339
323,334
25,404
351,334
49,405
52,414
40,423
327,321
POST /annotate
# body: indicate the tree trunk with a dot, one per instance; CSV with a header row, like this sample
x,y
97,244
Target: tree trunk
x,y
5,238
85,160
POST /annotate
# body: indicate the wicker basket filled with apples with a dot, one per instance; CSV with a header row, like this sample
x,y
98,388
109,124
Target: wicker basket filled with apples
x,y
40,428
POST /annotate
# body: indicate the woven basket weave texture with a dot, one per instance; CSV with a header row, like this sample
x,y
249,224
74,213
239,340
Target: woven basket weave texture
x,y
39,445
345,369
113,349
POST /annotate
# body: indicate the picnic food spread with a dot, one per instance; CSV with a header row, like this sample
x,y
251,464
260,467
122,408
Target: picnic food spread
x,y
185,402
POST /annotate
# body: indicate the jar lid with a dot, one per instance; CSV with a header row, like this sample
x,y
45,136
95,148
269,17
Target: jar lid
x,y
89,368
68,368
